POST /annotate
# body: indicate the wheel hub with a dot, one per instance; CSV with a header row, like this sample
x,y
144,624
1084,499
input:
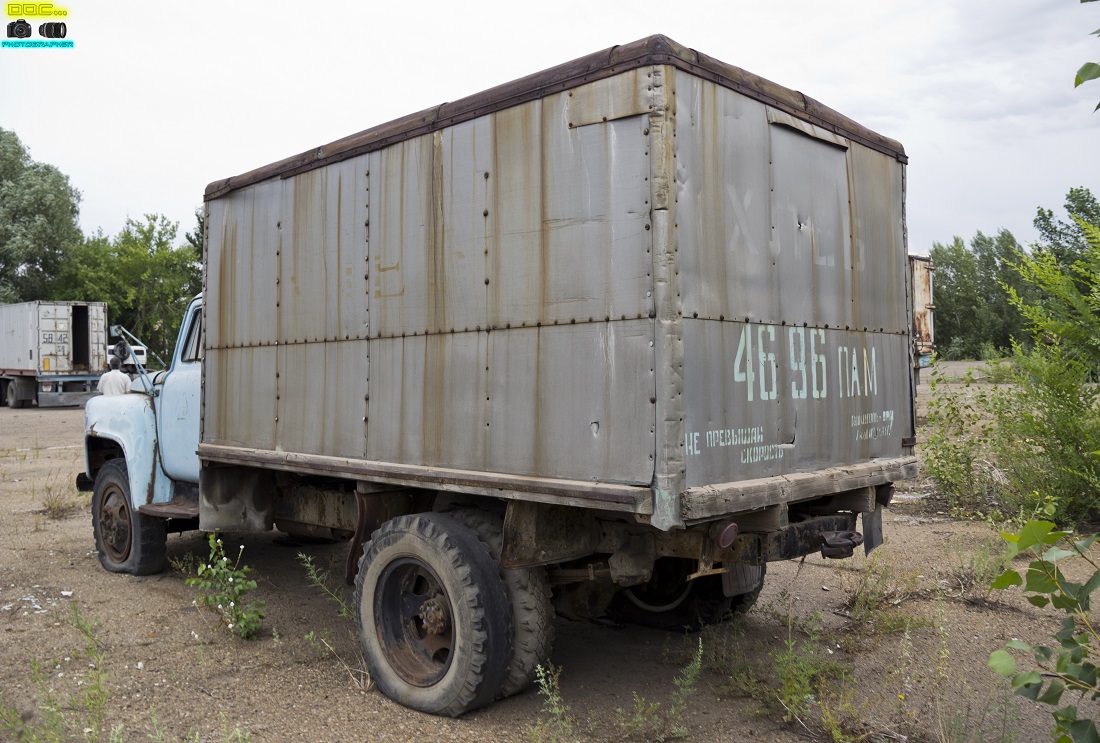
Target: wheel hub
x,y
434,615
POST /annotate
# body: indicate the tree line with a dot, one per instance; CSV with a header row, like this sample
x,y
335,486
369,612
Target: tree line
x,y
143,276
980,286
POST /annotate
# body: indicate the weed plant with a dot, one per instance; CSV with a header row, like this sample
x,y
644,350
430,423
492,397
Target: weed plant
x,y
322,581
556,723
223,585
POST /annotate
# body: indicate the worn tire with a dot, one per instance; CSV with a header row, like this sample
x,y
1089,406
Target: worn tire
x,y
13,401
671,602
433,616
127,541
528,592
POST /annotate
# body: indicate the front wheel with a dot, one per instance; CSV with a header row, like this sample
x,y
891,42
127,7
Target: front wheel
x,y
434,621
127,541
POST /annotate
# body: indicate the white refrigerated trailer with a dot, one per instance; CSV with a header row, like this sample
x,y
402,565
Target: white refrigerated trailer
x,y
51,353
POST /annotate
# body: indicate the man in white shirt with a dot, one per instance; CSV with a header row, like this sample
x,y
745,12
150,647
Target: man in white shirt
x,y
116,381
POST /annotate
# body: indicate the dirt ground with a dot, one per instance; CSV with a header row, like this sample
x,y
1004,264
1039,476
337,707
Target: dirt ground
x,y
175,673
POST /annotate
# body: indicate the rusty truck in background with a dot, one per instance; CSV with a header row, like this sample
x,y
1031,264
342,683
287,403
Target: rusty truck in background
x,y
51,353
605,339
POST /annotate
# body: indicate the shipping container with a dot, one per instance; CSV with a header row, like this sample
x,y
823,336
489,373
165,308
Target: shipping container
x,y
51,352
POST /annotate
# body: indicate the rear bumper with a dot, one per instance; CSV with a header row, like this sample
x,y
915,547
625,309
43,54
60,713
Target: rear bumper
x,y
714,501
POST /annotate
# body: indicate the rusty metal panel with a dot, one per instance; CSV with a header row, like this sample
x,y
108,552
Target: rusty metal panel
x,y
240,405
766,399
569,401
878,238
322,263
628,94
512,219
322,398
242,267
791,250
924,337
400,184
811,247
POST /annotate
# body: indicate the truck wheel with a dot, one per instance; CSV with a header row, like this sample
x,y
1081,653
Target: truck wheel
x,y
127,541
434,622
528,592
670,601
13,401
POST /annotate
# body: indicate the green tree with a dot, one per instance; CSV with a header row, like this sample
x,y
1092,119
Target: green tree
x,y
1067,311
38,222
196,241
1066,241
973,312
145,280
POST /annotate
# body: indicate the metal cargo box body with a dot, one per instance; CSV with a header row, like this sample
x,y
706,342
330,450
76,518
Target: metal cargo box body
x,y
792,279
634,277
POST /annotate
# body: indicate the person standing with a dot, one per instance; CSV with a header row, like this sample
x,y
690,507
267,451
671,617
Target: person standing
x,y
115,381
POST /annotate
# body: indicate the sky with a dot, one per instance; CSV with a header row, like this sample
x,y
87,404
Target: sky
x,y
154,100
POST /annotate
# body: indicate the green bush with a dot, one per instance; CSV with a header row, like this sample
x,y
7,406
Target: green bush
x,y
1045,434
955,444
1066,672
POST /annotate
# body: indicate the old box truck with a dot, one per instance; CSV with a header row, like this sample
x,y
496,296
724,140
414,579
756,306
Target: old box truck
x,y
51,353
605,339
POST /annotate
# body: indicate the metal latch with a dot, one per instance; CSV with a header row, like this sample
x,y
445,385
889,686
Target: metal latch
x,y
840,544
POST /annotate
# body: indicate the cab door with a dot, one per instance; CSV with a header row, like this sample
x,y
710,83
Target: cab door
x,y
177,404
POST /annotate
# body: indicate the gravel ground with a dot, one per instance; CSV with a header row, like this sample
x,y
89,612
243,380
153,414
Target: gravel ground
x,y
174,672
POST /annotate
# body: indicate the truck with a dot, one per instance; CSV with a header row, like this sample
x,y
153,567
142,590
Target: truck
x,y
51,353
924,311
602,341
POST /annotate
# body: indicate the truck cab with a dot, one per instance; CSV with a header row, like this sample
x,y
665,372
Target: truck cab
x,y
140,457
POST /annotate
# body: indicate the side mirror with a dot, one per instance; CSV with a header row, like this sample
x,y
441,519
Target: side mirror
x,y
114,331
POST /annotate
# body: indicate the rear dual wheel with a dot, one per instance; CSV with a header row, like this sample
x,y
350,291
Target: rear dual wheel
x,y
433,615
13,400
528,592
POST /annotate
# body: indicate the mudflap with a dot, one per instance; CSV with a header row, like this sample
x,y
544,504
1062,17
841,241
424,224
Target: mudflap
x,y
872,529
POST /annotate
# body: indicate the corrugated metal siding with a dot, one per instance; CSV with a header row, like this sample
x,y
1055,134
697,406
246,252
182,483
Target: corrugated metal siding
x,y
482,233
97,336
239,397
478,240
792,265
511,219
38,337
55,337
567,401
507,265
